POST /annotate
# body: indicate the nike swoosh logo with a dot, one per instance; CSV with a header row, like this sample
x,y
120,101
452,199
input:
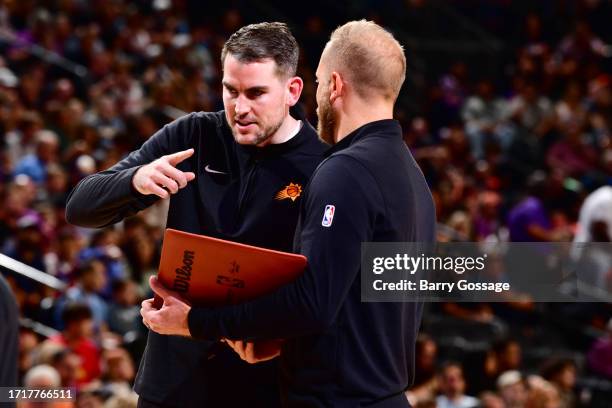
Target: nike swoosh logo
x,y
209,170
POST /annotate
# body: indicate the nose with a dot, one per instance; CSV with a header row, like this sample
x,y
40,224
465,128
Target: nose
x,y
242,106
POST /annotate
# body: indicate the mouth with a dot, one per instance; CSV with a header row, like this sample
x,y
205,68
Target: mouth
x,y
244,126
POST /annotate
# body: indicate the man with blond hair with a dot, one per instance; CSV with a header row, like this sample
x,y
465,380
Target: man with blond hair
x,y
338,351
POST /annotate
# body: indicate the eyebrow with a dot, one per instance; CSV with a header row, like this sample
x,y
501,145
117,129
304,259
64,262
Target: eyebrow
x,y
252,89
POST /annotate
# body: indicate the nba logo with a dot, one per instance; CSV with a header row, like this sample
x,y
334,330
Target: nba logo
x,y
328,215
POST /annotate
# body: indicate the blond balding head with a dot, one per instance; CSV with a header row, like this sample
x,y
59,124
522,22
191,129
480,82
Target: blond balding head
x,y
369,57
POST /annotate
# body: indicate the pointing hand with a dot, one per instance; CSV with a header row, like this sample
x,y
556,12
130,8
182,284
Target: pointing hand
x,y
153,177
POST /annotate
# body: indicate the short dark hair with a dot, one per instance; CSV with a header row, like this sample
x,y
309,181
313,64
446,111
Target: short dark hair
x,y
555,366
76,312
448,364
256,42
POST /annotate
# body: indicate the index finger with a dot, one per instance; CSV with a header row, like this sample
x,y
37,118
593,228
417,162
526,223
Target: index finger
x,y
176,158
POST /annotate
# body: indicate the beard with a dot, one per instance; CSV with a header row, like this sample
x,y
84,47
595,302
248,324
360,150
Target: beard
x,y
260,136
326,121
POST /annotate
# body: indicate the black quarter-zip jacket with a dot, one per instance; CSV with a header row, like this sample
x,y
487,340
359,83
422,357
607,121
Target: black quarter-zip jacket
x,y
239,194
339,351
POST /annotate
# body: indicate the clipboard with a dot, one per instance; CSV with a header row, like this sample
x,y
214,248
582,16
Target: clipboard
x,y
208,271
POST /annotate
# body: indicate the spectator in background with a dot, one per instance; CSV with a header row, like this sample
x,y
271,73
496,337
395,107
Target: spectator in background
x,y
66,249
530,220
92,397
482,369
419,134
542,394
20,140
55,187
29,247
104,247
484,116
41,377
142,254
78,336
18,199
561,373
68,365
581,46
530,116
534,41
487,225
461,224
35,165
449,95
489,399
512,389
530,111
119,374
508,354
124,311
600,110
596,208
91,279
594,225
599,357
105,119
425,379
573,155
28,342
452,387
570,110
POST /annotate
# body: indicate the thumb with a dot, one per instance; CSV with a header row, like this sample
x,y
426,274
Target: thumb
x,y
159,289
176,158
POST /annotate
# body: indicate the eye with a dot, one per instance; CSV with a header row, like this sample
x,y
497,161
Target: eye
x,y
255,94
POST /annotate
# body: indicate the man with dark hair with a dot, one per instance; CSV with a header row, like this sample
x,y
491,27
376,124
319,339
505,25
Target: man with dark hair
x,y
452,388
78,336
338,350
265,40
227,175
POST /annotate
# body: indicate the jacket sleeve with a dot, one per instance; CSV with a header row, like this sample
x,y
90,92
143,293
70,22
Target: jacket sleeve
x,y
108,197
311,303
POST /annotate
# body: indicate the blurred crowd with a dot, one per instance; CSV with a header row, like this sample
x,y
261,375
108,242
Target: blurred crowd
x,y
523,155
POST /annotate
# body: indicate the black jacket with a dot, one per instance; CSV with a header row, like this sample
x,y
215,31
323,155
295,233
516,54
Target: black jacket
x,y
340,351
237,195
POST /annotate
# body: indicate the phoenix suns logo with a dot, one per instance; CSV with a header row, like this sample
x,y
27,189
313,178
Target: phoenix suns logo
x,y
292,192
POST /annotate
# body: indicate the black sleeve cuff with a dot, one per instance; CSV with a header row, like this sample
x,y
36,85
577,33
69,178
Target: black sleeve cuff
x,y
197,320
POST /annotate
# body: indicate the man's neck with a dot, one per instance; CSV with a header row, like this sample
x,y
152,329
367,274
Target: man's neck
x,y
361,114
288,129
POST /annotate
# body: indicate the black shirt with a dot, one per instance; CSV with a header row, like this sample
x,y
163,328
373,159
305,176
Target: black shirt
x,y
241,193
341,352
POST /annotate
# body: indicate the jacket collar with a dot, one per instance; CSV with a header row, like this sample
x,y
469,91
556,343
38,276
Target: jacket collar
x,y
388,126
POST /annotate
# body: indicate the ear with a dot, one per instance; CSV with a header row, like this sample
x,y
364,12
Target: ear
x,y
294,90
337,87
